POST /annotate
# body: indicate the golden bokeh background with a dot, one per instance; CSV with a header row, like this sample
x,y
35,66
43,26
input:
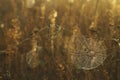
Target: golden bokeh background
x,y
37,38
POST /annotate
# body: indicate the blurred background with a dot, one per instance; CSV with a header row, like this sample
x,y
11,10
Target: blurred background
x,y
37,38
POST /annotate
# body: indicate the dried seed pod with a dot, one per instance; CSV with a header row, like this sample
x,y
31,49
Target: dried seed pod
x,y
42,8
52,16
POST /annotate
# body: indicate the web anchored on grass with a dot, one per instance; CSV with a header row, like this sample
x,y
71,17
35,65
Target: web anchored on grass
x,y
89,53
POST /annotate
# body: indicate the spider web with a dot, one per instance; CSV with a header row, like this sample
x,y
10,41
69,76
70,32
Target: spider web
x,y
89,53
32,57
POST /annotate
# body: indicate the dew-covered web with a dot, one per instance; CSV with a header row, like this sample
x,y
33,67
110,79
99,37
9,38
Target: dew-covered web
x,y
33,56
89,53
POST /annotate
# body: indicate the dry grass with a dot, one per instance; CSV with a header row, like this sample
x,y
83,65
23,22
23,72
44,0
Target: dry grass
x,y
54,25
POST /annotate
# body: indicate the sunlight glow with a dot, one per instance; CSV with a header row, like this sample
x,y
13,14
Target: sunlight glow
x,y
48,0
30,3
71,1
